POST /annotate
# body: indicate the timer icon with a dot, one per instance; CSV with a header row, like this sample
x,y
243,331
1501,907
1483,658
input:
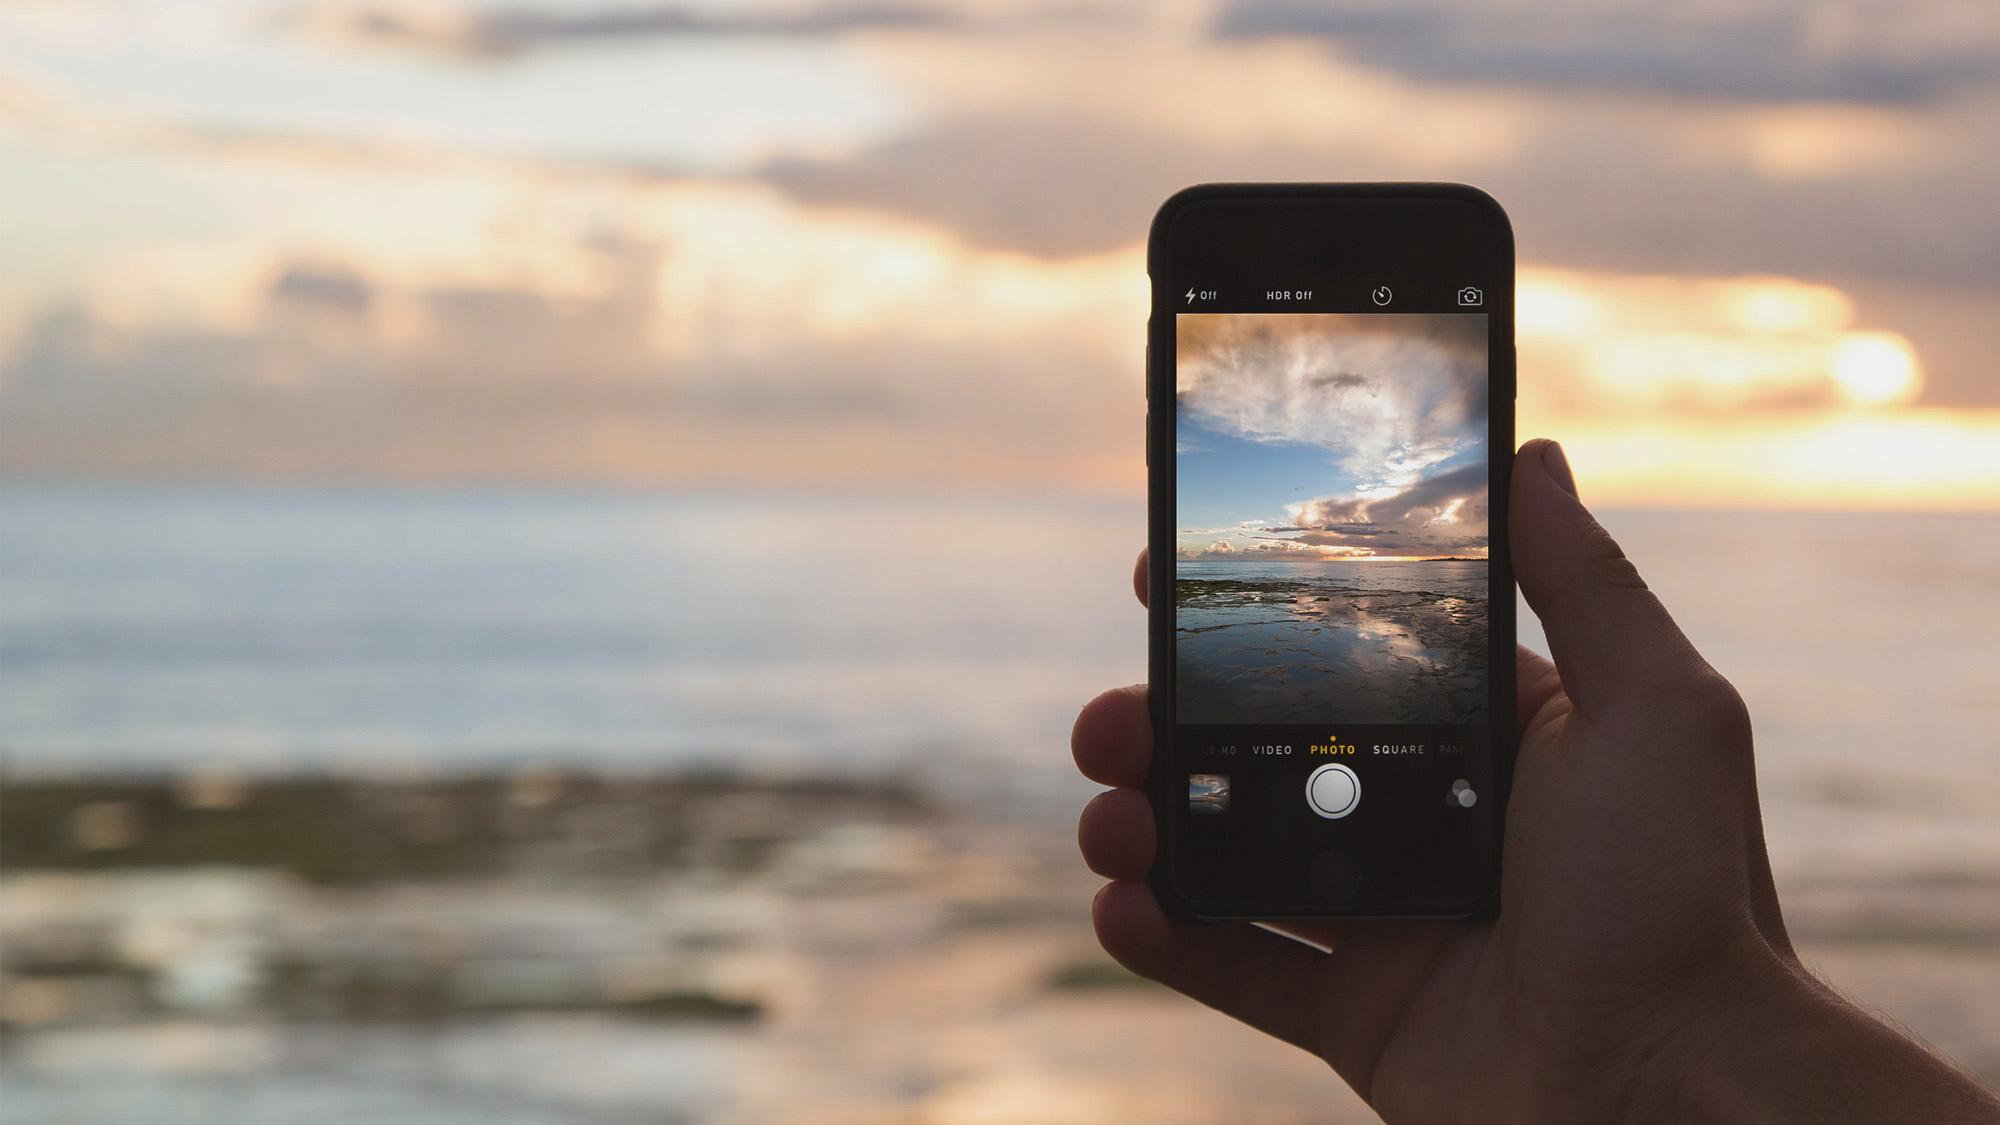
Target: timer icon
x,y
1381,295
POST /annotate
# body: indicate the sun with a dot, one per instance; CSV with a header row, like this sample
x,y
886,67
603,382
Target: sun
x,y
1876,367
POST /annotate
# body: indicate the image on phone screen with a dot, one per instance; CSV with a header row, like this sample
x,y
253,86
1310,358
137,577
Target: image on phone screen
x,y
1330,560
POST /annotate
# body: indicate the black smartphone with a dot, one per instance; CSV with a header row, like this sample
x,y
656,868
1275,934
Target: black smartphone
x,y
1330,378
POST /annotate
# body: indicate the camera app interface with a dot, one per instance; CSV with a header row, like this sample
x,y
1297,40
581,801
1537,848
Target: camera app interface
x,y
1331,641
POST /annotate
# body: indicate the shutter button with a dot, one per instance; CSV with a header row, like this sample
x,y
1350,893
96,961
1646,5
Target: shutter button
x,y
1333,791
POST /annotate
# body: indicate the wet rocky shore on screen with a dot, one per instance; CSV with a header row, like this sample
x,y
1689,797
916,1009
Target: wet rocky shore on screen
x,y
1290,649
880,946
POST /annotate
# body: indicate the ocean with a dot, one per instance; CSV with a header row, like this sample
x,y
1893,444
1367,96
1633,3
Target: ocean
x,y
950,639
352,630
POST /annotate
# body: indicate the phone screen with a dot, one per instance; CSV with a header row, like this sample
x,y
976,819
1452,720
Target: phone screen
x,y
1333,653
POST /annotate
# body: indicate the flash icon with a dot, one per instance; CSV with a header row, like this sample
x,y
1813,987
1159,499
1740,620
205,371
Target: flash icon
x,y
1190,296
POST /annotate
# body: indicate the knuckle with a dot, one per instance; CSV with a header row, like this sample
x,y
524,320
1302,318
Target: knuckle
x,y
1605,562
1719,710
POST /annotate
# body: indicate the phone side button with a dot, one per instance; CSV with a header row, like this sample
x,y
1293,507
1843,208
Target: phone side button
x,y
1149,395
1334,875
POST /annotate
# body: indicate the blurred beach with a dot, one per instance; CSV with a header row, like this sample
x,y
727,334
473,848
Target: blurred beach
x,y
539,806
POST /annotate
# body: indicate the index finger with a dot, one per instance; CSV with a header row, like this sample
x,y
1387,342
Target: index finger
x,y
1139,577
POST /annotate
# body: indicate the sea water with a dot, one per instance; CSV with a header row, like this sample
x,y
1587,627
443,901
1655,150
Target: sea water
x,y
283,629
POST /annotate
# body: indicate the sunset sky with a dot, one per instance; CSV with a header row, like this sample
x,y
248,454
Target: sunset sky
x,y
898,247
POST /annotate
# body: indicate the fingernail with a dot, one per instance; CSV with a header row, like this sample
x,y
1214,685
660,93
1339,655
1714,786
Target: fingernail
x,y
1558,466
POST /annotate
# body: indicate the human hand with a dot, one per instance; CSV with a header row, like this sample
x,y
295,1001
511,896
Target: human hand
x,y
1639,966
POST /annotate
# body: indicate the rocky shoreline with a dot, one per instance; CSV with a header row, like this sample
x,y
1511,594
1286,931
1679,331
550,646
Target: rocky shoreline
x,y
703,947
339,831
318,898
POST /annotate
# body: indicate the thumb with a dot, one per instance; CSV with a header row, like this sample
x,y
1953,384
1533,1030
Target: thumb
x,y
1611,638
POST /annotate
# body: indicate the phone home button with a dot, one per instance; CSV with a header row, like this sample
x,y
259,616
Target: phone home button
x,y
1334,875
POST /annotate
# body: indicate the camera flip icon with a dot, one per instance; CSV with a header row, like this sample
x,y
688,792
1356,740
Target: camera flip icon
x,y
1470,295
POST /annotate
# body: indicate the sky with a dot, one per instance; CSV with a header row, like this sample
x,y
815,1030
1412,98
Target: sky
x,y
886,248
1330,435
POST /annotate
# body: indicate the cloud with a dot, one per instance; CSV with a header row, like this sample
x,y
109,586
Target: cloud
x,y
1445,514
1073,166
501,385
485,33
1437,515
1872,51
1646,188
1271,548
1710,183
1050,186
1876,51
866,289
1388,396
1682,188
336,290
597,357
1688,191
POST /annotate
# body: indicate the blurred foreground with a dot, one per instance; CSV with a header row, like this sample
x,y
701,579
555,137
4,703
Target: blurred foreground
x,y
549,947
552,807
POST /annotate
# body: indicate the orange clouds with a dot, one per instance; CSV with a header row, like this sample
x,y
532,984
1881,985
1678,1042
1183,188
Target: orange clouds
x,y
904,245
